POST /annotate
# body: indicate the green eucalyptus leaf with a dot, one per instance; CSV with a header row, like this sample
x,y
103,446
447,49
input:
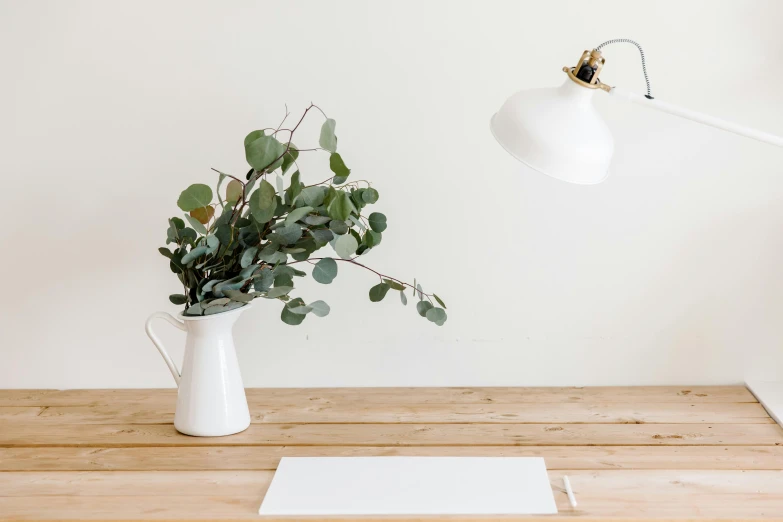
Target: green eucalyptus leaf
x,y
394,284
290,157
322,236
165,252
356,197
372,238
282,280
423,307
297,214
193,254
294,188
377,221
231,305
320,308
215,302
345,246
248,256
177,222
178,299
439,300
194,310
208,286
370,195
288,234
300,310
325,270
378,292
223,233
341,206
263,202
263,281
278,291
403,298
263,152
312,196
195,196
436,315
196,224
337,165
236,295
274,258
289,317
188,235
225,216
328,140
316,220
338,226
248,271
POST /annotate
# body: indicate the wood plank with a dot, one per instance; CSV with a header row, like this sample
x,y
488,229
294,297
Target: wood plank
x,y
25,397
32,434
267,457
232,495
347,396
135,483
374,413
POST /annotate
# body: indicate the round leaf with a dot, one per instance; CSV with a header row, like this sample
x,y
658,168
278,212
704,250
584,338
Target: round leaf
x,y
264,153
377,221
403,298
263,202
325,270
370,195
345,246
202,214
423,307
436,315
290,317
338,226
195,196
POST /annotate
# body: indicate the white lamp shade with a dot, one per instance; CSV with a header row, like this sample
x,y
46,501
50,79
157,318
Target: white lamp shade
x,y
557,132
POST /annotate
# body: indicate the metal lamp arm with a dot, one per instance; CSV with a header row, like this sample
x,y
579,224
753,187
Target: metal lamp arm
x,y
688,114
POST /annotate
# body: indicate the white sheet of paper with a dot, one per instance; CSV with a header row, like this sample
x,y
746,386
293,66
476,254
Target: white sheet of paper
x,y
409,486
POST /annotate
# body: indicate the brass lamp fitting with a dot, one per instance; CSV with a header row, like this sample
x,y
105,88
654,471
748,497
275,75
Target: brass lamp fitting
x,y
586,71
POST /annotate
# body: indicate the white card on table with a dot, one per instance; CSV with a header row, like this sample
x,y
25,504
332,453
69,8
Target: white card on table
x,y
409,486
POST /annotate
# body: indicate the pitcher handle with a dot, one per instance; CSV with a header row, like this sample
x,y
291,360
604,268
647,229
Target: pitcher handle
x,y
159,345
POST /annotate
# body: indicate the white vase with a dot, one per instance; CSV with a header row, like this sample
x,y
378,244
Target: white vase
x,y
211,398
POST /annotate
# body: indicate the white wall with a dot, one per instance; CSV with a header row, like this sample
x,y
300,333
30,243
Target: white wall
x,y
670,272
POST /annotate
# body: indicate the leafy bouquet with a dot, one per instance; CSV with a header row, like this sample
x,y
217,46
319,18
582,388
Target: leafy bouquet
x,y
247,244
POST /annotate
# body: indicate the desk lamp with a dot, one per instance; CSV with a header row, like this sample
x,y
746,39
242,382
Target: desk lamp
x,y
558,131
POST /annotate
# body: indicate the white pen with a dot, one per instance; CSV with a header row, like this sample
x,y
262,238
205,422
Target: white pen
x,y
569,491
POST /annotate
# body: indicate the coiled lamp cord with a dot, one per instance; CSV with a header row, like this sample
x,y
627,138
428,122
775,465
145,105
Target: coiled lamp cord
x,y
641,52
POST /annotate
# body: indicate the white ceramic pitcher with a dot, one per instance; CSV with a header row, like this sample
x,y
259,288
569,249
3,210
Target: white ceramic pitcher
x,y
211,398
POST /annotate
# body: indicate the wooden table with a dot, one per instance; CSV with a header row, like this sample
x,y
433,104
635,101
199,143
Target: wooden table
x,y
675,453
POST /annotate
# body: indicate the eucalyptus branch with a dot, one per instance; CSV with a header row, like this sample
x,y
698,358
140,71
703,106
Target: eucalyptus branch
x,y
351,261
225,267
